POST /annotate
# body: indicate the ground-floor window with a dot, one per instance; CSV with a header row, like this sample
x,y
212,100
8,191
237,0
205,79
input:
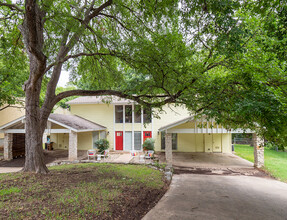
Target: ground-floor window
x,y
98,135
174,141
137,140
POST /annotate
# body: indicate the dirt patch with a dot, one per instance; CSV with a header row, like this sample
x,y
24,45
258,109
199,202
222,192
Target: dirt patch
x,y
222,171
68,193
50,156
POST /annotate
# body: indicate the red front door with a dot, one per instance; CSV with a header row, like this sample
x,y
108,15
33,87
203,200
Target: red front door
x,y
146,134
119,140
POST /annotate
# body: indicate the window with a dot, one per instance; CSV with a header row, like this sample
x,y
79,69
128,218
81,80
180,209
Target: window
x,y
128,114
137,114
103,135
174,141
119,113
95,138
147,115
137,140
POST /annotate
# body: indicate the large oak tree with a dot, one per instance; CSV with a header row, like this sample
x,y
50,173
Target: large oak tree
x,y
189,52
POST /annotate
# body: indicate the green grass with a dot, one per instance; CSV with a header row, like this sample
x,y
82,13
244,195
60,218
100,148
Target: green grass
x,y
275,162
9,191
76,191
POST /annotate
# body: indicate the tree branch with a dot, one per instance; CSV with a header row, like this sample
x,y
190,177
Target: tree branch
x,y
78,55
96,11
137,98
116,19
11,106
12,6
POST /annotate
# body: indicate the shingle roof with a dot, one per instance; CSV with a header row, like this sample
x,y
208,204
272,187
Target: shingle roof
x,y
72,122
99,100
76,122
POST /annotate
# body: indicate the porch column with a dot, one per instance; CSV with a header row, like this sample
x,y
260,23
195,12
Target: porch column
x,y
73,145
168,149
258,144
8,140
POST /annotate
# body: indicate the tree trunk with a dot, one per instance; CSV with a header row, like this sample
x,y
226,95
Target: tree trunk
x,y
34,161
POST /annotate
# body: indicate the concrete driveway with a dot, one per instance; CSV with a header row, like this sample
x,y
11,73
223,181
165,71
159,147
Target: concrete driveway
x,y
193,196
207,160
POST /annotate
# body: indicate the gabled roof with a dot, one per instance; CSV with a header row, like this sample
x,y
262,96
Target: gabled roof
x,y
72,122
171,125
75,122
99,100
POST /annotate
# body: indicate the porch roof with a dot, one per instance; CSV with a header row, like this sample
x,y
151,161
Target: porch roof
x,y
70,122
171,128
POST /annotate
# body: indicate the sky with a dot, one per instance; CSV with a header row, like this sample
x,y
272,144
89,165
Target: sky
x,y
64,78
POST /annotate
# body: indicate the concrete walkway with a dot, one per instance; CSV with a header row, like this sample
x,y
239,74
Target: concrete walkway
x,y
122,158
9,169
193,196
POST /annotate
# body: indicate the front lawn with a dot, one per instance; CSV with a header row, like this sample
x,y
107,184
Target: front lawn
x,y
275,162
82,191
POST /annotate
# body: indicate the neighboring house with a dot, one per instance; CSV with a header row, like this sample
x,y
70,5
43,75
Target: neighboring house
x,y
126,126
9,114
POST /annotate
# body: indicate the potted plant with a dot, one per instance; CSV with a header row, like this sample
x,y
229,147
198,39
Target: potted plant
x,y
148,144
102,145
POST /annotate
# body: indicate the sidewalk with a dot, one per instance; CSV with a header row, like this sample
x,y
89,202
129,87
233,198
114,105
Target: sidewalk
x,y
9,169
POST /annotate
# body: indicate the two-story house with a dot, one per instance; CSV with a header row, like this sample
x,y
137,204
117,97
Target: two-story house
x,y
126,126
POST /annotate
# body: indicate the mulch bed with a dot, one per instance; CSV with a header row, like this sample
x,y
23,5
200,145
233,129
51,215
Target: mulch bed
x,y
130,204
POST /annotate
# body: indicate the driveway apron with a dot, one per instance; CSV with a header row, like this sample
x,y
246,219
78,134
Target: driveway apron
x,y
193,196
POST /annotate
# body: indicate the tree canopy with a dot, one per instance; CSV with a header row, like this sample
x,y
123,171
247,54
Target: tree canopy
x,y
225,59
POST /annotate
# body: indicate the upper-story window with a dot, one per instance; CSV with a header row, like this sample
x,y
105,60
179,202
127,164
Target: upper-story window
x,y
119,113
128,114
147,115
138,114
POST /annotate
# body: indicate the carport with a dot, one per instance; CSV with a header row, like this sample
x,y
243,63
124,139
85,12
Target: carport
x,y
14,133
207,137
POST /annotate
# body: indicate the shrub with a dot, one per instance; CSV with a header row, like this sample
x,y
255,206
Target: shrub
x,y
149,144
102,145
273,146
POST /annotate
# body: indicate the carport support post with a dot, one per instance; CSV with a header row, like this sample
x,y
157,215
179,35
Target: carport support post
x,y
8,139
168,149
258,144
73,143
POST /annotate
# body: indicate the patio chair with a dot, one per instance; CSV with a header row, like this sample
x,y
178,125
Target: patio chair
x,y
149,154
105,155
134,153
92,154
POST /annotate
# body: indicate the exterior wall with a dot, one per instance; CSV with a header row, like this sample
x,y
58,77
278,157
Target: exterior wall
x,y
9,114
226,143
215,143
186,142
199,142
85,141
170,114
102,114
62,111
61,141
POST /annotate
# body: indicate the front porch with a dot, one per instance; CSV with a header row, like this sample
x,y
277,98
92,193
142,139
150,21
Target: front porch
x,y
71,126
